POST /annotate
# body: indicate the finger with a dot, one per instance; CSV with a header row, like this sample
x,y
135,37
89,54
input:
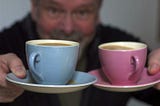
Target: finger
x,y
153,69
157,86
15,65
8,91
154,62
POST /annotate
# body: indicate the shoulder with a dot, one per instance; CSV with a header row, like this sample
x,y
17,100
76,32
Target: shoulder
x,y
11,30
21,28
110,33
12,39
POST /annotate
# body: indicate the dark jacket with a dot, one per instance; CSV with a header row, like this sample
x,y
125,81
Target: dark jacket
x,y
13,40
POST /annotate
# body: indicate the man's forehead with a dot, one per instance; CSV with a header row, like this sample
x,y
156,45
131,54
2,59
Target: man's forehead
x,y
72,0
69,1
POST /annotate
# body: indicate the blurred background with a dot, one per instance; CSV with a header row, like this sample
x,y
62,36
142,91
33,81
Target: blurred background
x,y
138,17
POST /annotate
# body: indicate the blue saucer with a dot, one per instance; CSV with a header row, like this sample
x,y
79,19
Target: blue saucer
x,y
80,81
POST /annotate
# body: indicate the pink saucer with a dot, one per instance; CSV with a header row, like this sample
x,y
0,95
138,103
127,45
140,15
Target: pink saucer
x,y
145,82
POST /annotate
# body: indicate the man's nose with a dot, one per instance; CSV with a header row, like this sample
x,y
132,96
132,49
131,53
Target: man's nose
x,y
68,24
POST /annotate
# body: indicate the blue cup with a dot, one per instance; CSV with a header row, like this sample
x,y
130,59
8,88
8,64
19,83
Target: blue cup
x,y
52,61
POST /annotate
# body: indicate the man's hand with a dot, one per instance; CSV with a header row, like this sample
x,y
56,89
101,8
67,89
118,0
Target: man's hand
x,y
154,64
10,63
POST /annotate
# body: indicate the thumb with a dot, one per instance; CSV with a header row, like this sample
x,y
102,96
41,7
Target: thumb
x,y
153,69
15,65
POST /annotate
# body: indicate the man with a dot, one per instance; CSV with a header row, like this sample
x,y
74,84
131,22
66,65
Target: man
x,y
76,20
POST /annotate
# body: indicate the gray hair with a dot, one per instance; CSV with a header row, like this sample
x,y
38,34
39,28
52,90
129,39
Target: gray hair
x,y
37,1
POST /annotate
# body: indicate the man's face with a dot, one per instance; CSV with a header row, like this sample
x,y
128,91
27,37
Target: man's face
x,y
66,19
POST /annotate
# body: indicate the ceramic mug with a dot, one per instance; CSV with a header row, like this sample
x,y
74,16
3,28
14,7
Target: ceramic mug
x,y
52,61
123,62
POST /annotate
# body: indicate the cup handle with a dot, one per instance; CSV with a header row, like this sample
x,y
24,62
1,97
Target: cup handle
x,y
34,58
135,62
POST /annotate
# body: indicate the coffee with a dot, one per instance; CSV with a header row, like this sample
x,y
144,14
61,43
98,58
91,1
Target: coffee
x,y
54,44
117,47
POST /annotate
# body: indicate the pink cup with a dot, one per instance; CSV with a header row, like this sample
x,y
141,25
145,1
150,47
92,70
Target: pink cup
x,y
123,62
